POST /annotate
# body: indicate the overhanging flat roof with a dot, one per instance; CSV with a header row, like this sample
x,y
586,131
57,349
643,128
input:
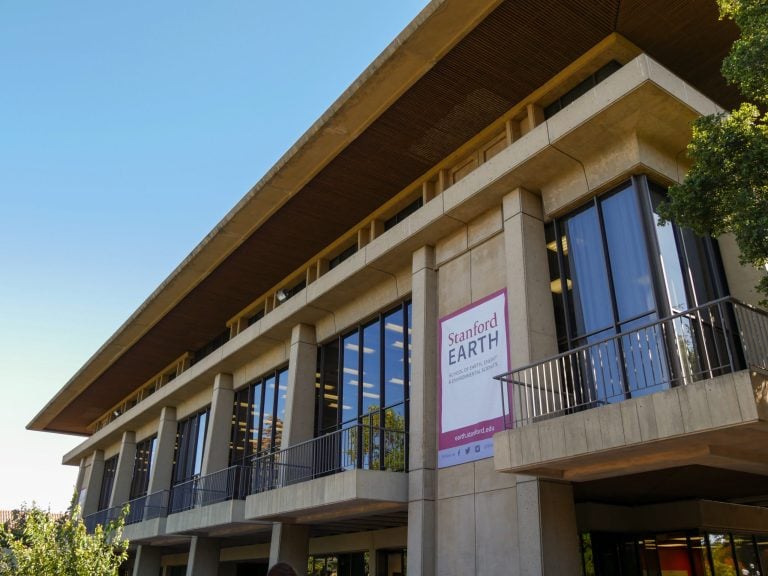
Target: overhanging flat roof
x,y
457,67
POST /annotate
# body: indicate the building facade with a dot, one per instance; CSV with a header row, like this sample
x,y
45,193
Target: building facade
x,y
448,334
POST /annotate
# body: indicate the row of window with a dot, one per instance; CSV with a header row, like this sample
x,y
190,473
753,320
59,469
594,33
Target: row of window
x,y
362,378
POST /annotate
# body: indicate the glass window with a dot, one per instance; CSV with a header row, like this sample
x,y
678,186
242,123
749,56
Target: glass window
x,y
142,467
257,416
588,283
746,555
722,554
630,269
107,482
350,377
190,445
374,377
371,375
673,554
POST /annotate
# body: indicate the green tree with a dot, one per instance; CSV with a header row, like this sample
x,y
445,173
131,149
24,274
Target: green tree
x,y
726,189
34,543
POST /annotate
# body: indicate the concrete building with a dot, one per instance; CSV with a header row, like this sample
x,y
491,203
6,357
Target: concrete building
x,y
315,382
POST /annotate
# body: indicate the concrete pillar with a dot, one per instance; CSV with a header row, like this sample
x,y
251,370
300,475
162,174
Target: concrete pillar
x,y
531,316
546,515
422,456
162,466
92,484
147,561
216,452
124,474
290,543
203,557
298,424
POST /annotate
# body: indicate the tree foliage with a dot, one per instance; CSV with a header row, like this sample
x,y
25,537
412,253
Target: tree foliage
x,y
726,189
34,543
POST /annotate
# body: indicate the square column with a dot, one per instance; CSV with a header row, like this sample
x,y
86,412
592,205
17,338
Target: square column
x,y
162,466
546,515
290,543
124,474
203,557
216,451
422,431
298,425
147,561
94,473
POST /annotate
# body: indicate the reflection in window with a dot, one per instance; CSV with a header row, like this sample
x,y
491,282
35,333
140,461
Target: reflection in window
x,y
190,444
371,387
258,415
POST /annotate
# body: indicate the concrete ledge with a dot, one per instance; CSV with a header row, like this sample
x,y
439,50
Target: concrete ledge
x,y
720,422
144,531
350,493
206,517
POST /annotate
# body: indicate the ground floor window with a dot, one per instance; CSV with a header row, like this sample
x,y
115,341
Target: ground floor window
x,y
690,553
353,564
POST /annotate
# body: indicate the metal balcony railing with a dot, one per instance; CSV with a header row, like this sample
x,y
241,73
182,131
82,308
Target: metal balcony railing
x,y
103,517
359,446
148,507
717,338
228,484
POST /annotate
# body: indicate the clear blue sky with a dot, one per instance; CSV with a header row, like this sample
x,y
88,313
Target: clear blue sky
x,y
127,130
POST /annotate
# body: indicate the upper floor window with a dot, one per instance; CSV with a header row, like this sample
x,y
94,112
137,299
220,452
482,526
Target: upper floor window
x,y
107,482
258,416
142,467
613,267
190,444
363,375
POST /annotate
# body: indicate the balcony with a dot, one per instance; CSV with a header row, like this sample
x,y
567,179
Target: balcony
x,y
688,389
359,469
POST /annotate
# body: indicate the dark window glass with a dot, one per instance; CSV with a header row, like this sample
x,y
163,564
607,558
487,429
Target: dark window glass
x,y
142,467
190,444
746,555
404,213
338,259
256,317
581,88
107,482
214,344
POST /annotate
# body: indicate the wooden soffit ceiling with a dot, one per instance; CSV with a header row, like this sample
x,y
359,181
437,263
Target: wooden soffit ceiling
x,y
514,50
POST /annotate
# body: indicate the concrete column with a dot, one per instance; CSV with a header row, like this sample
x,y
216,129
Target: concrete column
x,y
546,515
162,466
298,424
123,475
203,557
92,485
147,561
290,543
531,316
216,452
422,433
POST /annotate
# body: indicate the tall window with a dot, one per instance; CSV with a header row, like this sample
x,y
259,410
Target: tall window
x,y
614,268
258,416
363,375
107,482
190,443
142,467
